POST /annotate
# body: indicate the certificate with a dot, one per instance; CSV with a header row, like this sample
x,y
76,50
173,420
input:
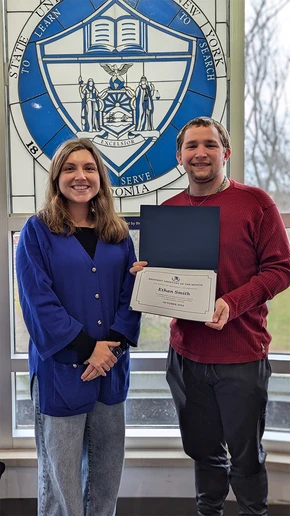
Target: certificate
x,y
180,293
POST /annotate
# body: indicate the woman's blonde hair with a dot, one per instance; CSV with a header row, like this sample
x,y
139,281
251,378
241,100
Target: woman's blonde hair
x,y
55,214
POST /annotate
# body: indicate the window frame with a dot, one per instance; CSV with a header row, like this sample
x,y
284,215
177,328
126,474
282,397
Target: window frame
x,y
11,362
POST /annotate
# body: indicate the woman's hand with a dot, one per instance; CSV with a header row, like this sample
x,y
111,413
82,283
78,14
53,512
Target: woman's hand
x,y
100,361
90,373
138,266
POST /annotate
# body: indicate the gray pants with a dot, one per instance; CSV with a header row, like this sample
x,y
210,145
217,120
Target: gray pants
x,y
80,460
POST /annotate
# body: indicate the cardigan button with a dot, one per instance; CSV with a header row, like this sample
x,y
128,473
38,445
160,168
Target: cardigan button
x,y
94,269
75,365
99,322
97,296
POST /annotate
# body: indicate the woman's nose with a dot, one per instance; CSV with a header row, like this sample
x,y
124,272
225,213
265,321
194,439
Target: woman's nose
x,y
80,173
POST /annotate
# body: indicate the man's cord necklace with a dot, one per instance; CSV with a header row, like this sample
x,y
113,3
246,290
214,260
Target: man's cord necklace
x,y
220,189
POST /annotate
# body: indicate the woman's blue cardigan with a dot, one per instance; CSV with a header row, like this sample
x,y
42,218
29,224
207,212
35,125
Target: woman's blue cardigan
x,y
63,291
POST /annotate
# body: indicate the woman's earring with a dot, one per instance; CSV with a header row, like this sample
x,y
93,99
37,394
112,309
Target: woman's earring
x,y
92,206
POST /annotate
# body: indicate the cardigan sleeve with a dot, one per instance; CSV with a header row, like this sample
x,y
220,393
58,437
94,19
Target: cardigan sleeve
x,y
127,321
49,325
273,256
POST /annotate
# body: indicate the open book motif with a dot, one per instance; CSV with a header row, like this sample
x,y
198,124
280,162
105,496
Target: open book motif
x,y
125,33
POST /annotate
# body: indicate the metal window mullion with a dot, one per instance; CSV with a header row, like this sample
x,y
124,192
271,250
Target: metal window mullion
x,y
5,360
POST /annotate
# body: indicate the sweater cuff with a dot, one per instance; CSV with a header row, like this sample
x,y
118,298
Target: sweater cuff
x,y
119,337
84,345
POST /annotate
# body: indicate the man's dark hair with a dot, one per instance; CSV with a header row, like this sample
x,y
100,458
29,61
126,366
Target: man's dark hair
x,y
204,121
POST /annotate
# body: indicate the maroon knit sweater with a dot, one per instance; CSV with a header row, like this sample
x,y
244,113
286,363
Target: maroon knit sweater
x,y
254,266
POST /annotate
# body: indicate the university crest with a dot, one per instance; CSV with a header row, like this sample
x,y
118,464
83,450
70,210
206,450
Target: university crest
x,y
126,74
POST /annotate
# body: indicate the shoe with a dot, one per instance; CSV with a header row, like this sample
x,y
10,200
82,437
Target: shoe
x,y
2,468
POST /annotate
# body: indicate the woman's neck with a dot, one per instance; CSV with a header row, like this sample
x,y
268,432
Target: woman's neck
x,y
81,215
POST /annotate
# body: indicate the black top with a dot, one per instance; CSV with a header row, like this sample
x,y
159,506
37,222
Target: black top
x,y
88,238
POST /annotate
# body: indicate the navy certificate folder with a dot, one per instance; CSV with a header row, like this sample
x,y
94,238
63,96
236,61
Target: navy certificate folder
x,y
180,237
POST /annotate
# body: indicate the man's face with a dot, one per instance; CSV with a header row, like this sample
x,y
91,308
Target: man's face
x,y
202,154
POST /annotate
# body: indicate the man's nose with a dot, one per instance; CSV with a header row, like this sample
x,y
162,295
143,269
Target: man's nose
x,y
200,150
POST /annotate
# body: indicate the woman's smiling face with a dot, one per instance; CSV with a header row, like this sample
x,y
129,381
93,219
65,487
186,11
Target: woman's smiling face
x,y
79,179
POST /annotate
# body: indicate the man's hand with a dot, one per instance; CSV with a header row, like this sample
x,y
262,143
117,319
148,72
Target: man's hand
x,y
220,316
138,266
101,360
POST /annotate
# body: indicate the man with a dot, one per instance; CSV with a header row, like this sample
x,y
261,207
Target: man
x,y
218,371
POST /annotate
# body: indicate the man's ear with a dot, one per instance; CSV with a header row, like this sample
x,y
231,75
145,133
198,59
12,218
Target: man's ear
x,y
227,155
178,157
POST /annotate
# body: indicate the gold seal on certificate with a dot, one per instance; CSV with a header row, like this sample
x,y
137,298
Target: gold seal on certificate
x,y
181,293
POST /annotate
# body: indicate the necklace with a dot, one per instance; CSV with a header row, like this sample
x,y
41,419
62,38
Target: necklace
x,y
220,189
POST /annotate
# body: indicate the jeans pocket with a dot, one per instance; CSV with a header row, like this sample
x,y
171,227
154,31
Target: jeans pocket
x,y
69,390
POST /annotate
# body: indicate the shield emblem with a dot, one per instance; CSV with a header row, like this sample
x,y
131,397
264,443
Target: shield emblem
x,y
128,75
117,112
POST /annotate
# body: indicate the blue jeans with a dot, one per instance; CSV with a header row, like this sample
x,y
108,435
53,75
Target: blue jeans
x,y
80,460
220,406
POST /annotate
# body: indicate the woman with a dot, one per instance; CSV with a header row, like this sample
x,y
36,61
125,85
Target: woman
x,y
90,105
73,262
